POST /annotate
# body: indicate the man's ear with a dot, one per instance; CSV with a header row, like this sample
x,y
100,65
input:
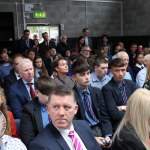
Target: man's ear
x,y
74,77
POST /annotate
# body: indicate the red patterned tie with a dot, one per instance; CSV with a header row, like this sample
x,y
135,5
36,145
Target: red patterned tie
x,y
32,93
76,142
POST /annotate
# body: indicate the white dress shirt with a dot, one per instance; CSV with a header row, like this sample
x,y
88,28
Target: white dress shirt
x,y
65,132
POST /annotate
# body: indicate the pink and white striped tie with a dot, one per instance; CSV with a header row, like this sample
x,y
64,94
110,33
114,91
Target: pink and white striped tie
x,y
76,142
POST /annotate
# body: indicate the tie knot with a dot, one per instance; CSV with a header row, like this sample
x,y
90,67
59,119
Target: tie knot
x,y
29,84
85,93
71,133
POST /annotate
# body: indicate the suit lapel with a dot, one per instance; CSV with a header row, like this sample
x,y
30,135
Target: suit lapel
x,y
117,92
38,117
82,135
79,102
24,89
60,140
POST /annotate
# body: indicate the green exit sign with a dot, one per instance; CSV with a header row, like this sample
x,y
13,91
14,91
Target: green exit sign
x,y
39,14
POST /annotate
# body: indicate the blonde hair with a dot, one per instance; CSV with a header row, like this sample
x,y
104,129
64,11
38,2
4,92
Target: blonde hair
x,y
138,115
3,109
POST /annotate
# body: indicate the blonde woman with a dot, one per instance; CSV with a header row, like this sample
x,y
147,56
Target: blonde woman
x,y
134,130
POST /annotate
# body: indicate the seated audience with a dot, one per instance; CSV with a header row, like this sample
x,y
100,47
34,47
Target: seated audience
x,y
138,64
124,56
141,76
132,53
63,45
117,91
80,43
61,67
31,54
12,127
14,73
133,131
34,115
39,67
63,133
22,91
91,103
6,141
5,66
99,78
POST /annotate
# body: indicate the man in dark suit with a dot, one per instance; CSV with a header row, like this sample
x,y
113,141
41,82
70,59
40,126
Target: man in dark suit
x,y
45,45
117,91
88,40
63,133
22,91
26,43
91,104
14,73
34,114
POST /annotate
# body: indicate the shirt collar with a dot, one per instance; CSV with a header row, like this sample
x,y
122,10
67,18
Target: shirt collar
x,y
65,131
137,65
25,82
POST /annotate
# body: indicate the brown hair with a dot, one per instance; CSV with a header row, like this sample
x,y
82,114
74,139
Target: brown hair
x,y
3,109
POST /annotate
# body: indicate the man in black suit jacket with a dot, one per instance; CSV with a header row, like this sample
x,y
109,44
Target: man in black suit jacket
x,y
97,117
114,90
34,114
56,136
26,43
45,45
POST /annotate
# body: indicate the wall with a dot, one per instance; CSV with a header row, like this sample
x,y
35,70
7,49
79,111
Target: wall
x,y
136,17
99,17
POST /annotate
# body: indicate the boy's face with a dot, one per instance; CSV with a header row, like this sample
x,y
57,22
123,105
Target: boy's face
x,y
82,79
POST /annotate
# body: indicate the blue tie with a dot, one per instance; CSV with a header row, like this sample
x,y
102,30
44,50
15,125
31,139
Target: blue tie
x,y
88,106
123,93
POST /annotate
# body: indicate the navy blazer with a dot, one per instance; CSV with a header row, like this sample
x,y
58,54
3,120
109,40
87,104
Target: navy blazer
x,y
18,96
9,80
99,109
51,139
31,121
43,48
24,46
113,98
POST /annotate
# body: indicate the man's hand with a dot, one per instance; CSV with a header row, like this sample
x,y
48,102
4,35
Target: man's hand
x,y
121,108
104,142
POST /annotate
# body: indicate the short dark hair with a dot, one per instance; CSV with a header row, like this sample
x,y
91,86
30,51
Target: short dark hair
x,y
98,61
117,62
61,90
44,84
26,31
85,29
80,66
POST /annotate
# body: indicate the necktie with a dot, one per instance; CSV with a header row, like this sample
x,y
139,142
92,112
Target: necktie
x,y
88,106
76,142
32,93
123,93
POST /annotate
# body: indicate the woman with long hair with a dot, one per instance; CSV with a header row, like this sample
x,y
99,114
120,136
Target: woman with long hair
x,y
39,67
134,129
